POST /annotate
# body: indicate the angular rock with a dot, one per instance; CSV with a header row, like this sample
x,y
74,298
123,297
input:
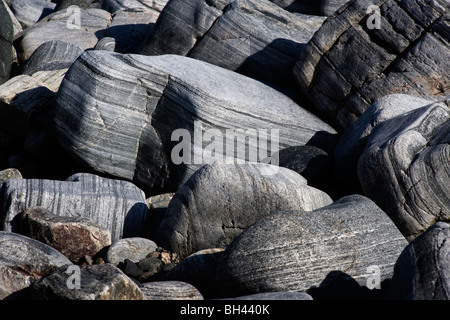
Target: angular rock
x,y
121,114
75,237
6,42
118,206
254,37
28,12
220,200
7,174
23,260
96,282
422,271
52,55
405,168
134,249
275,296
170,290
298,250
350,63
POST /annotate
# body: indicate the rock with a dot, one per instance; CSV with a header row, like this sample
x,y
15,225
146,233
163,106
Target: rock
x,y
329,7
219,201
198,269
28,12
23,260
52,55
254,37
302,6
422,271
275,296
150,265
120,114
298,250
6,42
17,27
352,142
134,249
349,63
130,268
405,169
82,4
170,290
96,282
118,206
75,237
7,174
106,43
147,5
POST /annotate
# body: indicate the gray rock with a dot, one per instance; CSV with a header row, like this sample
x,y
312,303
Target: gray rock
x,y
145,5
134,249
275,296
28,12
170,290
150,265
349,63
130,268
75,237
120,114
23,260
52,55
96,282
329,7
82,4
6,42
298,250
253,37
219,201
405,169
422,271
302,6
117,206
7,174
106,43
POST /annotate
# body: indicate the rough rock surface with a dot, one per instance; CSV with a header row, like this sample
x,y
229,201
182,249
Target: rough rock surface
x,y
10,173
134,249
170,290
422,271
405,168
117,206
295,251
23,260
121,114
350,63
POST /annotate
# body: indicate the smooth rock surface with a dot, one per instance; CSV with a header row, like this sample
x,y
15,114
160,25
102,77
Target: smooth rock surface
x,y
298,250
23,260
134,249
350,63
221,200
117,206
170,290
129,116
28,12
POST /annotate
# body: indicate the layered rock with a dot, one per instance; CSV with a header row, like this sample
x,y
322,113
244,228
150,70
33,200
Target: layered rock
x,y
170,290
373,48
152,120
29,12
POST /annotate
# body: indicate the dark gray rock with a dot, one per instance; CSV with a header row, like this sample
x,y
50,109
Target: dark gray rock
x,y
253,37
348,65
296,251
220,200
329,7
117,206
422,271
405,168
130,268
170,290
6,42
96,282
134,249
28,12
23,260
150,265
120,114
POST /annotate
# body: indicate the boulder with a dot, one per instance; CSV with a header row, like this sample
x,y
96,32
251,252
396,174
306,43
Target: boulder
x,y
118,206
96,282
75,237
405,169
170,290
23,260
254,37
370,49
6,42
132,116
299,250
422,271
28,12
133,249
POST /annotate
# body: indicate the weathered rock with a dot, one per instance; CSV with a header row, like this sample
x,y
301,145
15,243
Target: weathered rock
x,y
198,269
52,55
147,5
150,265
295,251
28,12
422,271
75,237
121,114
275,296
350,63
6,42
405,168
96,282
354,140
253,37
221,200
134,249
23,260
117,206
7,174
170,290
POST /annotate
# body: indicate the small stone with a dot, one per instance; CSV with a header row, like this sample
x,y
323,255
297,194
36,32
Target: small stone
x,y
170,290
134,249
150,265
130,268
